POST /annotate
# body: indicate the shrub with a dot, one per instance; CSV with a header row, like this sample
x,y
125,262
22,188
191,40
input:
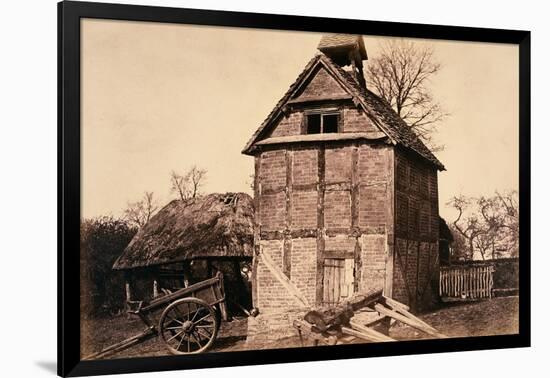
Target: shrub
x,y
102,240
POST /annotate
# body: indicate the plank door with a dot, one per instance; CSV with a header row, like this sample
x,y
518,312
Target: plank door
x,y
337,280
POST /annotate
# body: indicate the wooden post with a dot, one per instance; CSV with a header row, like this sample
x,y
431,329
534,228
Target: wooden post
x,y
155,288
320,223
491,283
209,268
369,332
357,264
287,242
223,305
128,291
257,226
186,273
128,288
390,223
487,289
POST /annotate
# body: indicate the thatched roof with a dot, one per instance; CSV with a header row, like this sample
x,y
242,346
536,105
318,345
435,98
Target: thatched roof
x,y
444,230
216,225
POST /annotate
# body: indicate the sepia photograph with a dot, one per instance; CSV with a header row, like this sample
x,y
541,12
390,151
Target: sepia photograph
x,y
250,189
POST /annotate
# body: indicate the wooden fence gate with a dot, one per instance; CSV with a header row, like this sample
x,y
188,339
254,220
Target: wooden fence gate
x,y
466,282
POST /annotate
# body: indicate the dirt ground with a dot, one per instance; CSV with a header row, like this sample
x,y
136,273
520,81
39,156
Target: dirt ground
x,y
490,317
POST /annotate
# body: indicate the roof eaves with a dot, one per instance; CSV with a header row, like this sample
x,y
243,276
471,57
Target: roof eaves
x,y
277,110
382,115
411,140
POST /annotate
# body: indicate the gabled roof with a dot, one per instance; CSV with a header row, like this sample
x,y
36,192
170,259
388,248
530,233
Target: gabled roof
x,y
376,108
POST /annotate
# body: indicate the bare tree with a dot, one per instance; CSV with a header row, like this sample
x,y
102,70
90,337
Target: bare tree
x,y
459,247
467,227
488,225
138,213
509,205
178,185
400,74
196,177
189,185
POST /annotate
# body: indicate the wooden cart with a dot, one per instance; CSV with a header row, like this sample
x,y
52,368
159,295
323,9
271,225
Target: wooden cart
x,y
189,322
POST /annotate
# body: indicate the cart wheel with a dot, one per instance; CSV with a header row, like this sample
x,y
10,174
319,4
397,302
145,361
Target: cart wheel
x,y
188,325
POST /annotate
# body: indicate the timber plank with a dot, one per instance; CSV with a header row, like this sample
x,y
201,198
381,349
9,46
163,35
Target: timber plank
x,y
411,322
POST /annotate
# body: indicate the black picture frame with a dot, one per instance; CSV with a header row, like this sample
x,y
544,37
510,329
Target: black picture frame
x,y
69,16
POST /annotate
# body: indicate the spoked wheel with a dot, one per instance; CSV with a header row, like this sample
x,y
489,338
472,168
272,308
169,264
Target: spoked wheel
x,y
188,325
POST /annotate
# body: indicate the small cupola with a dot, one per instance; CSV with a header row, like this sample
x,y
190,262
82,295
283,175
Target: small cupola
x,y
346,50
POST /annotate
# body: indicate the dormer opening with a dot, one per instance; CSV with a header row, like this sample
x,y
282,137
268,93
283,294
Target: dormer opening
x,y
322,122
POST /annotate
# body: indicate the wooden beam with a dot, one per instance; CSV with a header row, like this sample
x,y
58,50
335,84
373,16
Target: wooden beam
x,y
222,305
395,304
287,244
404,310
371,332
354,187
331,316
358,264
363,300
294,234
390,222
372,336
368,322
409,321
314,232
346,339
355,228
257,230
306,329
128,290
320,222
309,99
124,344
283,280
155,288
373,322
342,254
287,258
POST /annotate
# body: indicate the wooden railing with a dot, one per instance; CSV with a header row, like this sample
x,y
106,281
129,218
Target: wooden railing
x,y
466,282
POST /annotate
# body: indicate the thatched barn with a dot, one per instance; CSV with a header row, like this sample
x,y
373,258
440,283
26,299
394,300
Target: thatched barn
x,y
189,241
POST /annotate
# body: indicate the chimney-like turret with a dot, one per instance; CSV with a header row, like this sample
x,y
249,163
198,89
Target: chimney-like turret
x,y
346,50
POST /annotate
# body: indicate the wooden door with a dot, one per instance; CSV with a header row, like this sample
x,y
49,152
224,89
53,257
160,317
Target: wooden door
x,y
337,280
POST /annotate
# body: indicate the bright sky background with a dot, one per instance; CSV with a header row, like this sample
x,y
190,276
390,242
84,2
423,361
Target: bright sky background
x,y
161,97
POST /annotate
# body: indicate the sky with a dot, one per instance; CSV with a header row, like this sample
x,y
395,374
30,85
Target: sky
x,y
158,97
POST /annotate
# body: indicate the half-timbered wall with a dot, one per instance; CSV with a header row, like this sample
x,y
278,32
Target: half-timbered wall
x,y
323,215
416,230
